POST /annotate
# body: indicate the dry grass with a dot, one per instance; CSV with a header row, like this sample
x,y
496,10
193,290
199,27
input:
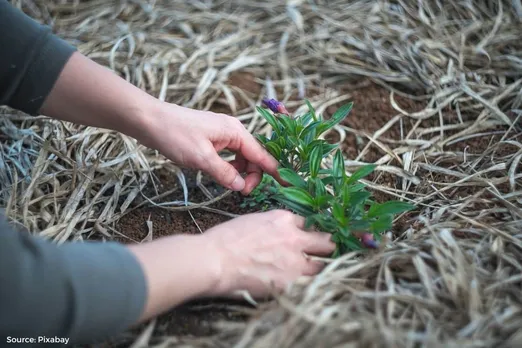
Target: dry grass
x,y
451,279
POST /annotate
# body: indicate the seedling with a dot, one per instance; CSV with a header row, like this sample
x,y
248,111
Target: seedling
x,y
262,195
329,199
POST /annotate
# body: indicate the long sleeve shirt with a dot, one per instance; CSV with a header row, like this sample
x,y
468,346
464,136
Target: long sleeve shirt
x,y
80,291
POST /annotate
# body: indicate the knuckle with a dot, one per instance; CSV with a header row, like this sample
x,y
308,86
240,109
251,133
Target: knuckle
x,y
205,152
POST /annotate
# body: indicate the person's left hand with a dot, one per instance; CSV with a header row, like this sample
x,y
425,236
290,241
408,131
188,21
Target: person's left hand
x,y
192,139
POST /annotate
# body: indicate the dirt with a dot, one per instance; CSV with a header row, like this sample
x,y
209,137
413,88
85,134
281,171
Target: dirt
x,y
239,82
166,222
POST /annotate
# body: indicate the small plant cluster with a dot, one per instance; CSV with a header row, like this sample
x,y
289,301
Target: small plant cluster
x,y
262,195
329,199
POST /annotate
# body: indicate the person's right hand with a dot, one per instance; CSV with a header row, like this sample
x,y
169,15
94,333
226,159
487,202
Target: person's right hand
x,y
262,252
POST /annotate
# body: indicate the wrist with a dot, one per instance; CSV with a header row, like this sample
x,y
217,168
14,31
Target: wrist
x,y
177,269
148,119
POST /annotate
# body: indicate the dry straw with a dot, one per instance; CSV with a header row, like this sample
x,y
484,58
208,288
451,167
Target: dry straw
x,y
451,279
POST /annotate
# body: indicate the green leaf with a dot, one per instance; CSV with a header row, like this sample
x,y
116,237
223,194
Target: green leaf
x,y
281,142
337,117
327,224
345,231
328,180
352,243
384,223
262,139
338,213
306,119
298,195
274,149
357,198
341,113
359,225
315,160
337,237
296,207
292,141
327,148
270,119
288,125
338,185
346,195
311,220
320,190
292,178
361,173
309,133
355,187
311,109
338,165
322,202
389,208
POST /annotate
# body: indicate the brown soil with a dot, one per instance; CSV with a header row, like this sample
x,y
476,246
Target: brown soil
x,y
166,222
371,111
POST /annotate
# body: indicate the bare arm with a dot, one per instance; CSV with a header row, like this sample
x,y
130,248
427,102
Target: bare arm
x,y
177,269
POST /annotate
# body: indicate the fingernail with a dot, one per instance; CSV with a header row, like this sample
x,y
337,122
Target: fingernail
x,y
238,184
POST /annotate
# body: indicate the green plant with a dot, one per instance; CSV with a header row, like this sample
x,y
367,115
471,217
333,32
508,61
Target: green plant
x,y
329,199
263,195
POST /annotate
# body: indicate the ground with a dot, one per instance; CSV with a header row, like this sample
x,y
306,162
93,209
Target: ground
x,y
372,110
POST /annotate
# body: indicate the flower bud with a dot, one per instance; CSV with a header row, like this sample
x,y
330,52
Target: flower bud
x,y
368,241
275,106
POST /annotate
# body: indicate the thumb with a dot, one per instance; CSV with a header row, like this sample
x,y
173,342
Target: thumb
x,y
224,173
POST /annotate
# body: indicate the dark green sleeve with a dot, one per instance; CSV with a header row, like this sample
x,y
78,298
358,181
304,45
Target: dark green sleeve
x,y
31,59
83,291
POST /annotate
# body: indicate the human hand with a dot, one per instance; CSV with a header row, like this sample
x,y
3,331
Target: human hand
x,y
265,251
192,139
89,94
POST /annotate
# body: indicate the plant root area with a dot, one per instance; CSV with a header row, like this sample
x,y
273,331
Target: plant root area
x,y
372,110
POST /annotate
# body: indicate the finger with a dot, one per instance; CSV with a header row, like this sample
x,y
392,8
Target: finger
x,y
312,267
239,163
255,153
299,221
223,172
318,243
251,181
253,178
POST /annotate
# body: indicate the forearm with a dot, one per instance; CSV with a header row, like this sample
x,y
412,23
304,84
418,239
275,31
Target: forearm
x,y
89,94
42,74
178,269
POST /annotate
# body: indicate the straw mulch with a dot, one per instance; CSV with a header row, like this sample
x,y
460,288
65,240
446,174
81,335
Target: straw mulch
x,y
452,279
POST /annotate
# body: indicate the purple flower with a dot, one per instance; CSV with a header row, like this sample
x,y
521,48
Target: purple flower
x,y
368,241
276,106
